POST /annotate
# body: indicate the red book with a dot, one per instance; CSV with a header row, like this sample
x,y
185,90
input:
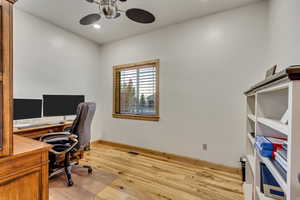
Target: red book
x,y
277,144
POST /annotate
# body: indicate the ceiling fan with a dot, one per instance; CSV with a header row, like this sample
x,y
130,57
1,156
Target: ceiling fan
x,y
110,10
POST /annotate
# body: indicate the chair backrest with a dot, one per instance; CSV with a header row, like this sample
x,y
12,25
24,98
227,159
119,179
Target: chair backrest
x,y
82,123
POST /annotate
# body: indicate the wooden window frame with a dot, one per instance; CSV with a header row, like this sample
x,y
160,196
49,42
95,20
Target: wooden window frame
x,y
116,90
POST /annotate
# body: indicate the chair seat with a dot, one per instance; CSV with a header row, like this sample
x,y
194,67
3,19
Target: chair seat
x,y
61,141
58,140
61,147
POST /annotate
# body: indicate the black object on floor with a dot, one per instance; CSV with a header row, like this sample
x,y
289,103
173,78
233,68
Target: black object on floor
x,y
133,153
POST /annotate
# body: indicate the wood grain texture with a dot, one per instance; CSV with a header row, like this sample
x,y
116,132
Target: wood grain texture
x,y
143,177
86,186
24,174
136,117
168,156
24,145
20,189
7,77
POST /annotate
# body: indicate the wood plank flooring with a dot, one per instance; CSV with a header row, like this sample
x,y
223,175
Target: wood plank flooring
x,y
125,176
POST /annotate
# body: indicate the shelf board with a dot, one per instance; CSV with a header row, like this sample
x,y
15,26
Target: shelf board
x,y
251,161
275,88
261,196
274,172
248,191
251,95
274,124
252,117
251,139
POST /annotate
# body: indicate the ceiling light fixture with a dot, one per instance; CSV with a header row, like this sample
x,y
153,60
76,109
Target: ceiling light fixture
x,y
110,10
97,26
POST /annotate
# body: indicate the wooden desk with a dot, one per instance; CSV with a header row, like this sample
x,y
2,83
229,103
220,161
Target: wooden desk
x,y
37,132
24,175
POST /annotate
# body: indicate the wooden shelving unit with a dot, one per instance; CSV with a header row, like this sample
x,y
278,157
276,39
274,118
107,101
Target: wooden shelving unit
x,y
267,102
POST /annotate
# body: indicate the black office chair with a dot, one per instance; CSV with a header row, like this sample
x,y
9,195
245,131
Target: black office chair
x,y
76,139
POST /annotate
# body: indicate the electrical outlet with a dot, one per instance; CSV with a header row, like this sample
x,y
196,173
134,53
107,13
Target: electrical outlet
x,y
204,147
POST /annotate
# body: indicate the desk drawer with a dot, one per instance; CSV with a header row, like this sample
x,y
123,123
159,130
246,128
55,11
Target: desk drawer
x,y
12,166
26,187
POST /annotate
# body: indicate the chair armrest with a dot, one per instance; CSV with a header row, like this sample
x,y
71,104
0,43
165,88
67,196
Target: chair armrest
x,y
75,142
71,137
67,129
43,137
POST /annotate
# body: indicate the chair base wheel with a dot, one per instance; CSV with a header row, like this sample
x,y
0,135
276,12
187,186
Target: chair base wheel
x,y
70,183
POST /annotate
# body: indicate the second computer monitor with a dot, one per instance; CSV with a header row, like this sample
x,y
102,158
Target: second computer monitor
x,y
61,105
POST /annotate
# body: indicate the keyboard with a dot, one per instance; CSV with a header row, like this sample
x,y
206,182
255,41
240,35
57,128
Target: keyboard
x,y
55,122
31,126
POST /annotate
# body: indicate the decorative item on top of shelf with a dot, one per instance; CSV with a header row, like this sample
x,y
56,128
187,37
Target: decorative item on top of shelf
x,y
285,118
271,71
270,187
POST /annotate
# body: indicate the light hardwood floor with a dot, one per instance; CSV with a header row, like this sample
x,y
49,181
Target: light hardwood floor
x,y
148,177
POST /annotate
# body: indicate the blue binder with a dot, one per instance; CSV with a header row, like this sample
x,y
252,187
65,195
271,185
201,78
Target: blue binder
x,y
270,186
264,143
263,152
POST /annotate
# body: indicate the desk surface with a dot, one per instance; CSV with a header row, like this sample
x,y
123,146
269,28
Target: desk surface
x,y
24,145
22,130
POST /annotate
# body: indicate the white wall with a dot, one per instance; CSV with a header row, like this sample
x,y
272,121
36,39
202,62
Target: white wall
x,y
206,64
284,29
280,32
50,60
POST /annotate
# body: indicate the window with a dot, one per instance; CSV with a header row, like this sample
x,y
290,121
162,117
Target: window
x,y
136,91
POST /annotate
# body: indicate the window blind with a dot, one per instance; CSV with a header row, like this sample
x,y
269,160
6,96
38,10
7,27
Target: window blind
x,y
138,91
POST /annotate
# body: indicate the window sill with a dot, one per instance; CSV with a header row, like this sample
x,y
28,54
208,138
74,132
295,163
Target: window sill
x,y
136,117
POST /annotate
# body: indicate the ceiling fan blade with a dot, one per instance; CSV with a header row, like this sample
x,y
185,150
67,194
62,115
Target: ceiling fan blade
x,y
90,19
140,16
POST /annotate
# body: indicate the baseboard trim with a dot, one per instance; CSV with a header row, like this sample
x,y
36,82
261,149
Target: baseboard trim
x,y
95,142
169,156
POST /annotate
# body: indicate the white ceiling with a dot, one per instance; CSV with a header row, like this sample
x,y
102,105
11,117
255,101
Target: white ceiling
x,y
66,14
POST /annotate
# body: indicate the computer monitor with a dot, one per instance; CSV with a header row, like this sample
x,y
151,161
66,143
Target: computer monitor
x,y
61,105
27,108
